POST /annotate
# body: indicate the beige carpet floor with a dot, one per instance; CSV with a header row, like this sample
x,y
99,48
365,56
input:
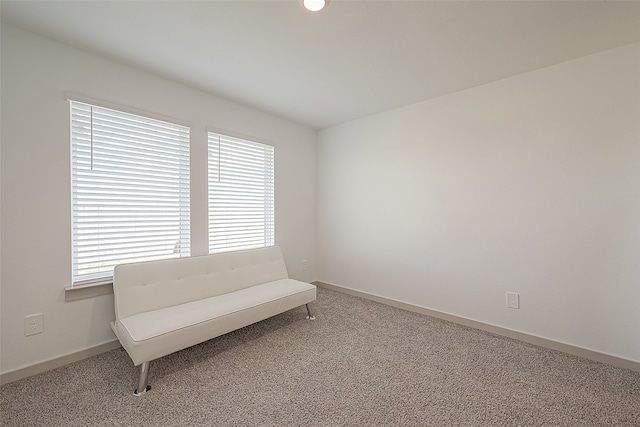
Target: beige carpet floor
x,y
359,364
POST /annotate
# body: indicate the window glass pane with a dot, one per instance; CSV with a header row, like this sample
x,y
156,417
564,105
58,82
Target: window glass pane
x,y
130,190
241,194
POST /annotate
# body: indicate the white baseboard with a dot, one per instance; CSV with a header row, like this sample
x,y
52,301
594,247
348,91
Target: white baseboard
x,y
498,330
57,362
620,362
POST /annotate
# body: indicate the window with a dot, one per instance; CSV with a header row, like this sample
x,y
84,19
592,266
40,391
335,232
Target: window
x,y
130,190
241,196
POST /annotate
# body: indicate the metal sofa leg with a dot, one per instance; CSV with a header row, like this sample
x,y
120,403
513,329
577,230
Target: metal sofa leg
x,y
310,316
142,382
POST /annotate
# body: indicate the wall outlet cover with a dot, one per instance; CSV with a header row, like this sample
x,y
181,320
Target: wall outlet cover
x,y
513,300
33,324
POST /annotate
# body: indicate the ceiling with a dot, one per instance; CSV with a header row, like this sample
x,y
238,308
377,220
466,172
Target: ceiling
x,y
354,59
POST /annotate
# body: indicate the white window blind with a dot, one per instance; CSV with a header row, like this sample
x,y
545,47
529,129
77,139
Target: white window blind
x,y
241,194
130,190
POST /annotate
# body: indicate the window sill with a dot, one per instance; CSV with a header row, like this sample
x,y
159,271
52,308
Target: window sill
x,y
75,293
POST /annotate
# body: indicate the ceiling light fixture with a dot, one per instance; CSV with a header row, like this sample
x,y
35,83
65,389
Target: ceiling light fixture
x,y
314,5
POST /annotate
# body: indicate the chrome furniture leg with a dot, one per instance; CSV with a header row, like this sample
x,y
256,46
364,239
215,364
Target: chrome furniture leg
x,y
142,382
310,316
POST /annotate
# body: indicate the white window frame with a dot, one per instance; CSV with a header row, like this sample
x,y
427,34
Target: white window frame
x,y
241,193
132,170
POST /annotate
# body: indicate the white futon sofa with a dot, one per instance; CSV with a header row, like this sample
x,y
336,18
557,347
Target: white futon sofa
x,y
168,305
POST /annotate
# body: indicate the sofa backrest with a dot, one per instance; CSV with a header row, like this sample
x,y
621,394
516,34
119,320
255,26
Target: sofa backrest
x,y
146,286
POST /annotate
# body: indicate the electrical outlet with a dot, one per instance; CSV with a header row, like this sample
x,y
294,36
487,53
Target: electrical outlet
x,y
305,265
33,324
513,300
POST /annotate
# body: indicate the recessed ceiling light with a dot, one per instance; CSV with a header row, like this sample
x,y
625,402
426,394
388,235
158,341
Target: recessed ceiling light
x,y
314,5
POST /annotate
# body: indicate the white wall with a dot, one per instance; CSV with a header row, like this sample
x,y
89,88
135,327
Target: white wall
x,y
36,251
530,184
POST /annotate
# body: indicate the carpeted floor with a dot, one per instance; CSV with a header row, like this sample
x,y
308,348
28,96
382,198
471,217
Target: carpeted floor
x,y
359,364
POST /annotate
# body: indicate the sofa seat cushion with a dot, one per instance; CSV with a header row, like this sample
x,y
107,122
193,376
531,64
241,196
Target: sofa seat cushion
x,y
153,324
